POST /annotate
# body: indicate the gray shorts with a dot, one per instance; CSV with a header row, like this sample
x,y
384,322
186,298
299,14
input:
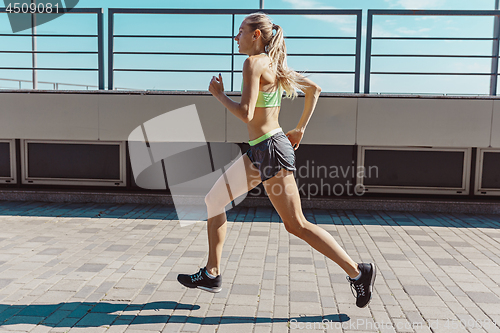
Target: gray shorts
x,y
272,154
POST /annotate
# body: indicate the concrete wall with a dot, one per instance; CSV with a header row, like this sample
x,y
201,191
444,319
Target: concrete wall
x,y
338,120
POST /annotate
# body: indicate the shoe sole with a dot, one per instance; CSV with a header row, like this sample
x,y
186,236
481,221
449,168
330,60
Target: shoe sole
x,y
211,290
371,284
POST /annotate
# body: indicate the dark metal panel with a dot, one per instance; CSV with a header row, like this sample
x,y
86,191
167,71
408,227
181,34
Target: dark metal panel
x,y
76,161
491,170
414,168
5,159
325,170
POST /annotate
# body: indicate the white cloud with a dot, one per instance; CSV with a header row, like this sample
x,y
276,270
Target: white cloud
x,y
346,23
378,31
416,4
304,4
425,18
467,67
406,31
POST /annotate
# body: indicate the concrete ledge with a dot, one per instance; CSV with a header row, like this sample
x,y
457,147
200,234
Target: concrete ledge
x,y
354,203
238,93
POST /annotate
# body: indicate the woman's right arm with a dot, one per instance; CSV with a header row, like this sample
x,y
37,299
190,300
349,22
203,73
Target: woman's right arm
x,y
251,77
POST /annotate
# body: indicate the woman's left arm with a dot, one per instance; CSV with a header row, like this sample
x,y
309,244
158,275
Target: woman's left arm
x,y
311,91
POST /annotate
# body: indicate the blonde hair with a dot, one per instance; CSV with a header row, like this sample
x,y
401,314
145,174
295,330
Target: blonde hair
x,y
275,47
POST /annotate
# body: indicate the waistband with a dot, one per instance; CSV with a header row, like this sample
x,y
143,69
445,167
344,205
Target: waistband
x,y
264,137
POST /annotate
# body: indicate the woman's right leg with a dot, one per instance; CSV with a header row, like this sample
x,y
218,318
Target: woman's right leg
x,y
240,178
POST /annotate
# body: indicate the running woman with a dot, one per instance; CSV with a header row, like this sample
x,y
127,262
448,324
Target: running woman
x,y
271,157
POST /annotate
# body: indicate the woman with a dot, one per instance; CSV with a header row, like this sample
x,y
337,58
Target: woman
x,y
271,157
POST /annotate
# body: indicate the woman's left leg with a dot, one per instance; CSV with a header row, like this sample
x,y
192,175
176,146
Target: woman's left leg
x,y
284,195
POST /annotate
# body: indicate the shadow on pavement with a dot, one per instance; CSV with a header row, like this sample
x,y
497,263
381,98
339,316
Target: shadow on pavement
x,y
88,314
246,214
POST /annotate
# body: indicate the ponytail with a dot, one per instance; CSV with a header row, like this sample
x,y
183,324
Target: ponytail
x,y
287,78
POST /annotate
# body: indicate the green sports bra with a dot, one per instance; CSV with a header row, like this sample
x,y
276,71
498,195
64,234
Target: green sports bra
x,y
268,99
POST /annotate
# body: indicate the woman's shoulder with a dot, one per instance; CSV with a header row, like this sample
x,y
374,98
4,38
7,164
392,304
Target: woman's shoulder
x,y
261,58
256,62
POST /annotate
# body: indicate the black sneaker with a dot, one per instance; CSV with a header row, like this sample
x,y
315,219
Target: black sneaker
x,y
364,285
201,281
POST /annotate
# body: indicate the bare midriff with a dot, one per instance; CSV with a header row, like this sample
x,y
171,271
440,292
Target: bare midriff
x,y
264,120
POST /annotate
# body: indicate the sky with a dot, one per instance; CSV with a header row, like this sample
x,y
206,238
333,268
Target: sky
x,y
293,25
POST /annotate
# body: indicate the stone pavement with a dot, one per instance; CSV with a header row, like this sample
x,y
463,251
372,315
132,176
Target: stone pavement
x,y
112,268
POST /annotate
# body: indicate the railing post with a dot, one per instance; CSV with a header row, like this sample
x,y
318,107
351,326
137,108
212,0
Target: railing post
x,y
494,59
110,49
357,73
33,47
100,48
368,51
232,55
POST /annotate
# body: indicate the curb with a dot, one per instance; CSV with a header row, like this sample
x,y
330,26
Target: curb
x,y
381,204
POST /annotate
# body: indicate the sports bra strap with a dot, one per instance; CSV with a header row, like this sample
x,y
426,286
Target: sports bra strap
x,y
268,99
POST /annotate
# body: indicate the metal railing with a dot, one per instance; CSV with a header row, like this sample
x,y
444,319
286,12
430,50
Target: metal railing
x,y
232,13
356,54
493,56
99,52
55,85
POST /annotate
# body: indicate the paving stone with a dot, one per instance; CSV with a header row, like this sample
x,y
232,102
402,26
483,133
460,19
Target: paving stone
x,y
171,240
52,251
245,289
394,256
303,296
91,268
483,297
194,254
301,261
144,227
446,262
5,282
118,248
419,290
